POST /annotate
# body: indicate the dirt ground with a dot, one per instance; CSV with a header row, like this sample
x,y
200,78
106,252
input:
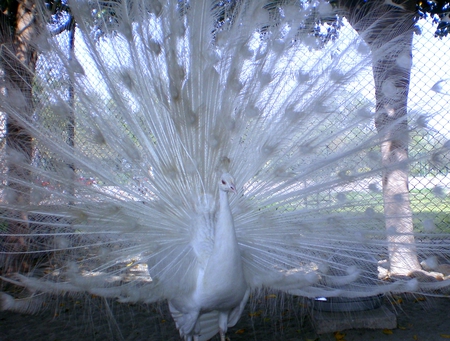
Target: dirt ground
x,y
418,318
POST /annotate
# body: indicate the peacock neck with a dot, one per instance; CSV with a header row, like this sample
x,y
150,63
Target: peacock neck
x,y
224,203
224,235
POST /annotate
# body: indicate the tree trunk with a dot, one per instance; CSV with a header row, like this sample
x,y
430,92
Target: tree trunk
x,y
71,120
391,122
18,61
390,39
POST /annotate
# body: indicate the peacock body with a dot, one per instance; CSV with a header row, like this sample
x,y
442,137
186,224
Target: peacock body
x,y
183,95
220,291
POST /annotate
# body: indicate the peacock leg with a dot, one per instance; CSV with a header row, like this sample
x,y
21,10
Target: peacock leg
x,y
223,324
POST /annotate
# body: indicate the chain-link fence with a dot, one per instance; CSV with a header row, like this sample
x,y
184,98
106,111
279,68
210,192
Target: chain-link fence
x,y
429,177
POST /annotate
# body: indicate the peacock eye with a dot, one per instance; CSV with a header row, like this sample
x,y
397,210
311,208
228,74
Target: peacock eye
x,y
224,182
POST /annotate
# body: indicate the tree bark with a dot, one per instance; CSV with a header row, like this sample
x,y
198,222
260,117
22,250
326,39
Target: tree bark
x,y
19,61
71,121
388,30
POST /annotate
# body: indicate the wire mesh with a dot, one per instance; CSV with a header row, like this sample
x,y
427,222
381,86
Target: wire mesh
x,y
429,177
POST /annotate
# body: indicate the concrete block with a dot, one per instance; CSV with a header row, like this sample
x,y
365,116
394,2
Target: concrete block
x,y
380,318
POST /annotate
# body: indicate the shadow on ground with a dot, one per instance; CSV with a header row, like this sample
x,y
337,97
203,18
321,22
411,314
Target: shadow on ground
x,y
266,318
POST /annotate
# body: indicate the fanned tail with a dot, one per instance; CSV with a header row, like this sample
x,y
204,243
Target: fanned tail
x,y
169,98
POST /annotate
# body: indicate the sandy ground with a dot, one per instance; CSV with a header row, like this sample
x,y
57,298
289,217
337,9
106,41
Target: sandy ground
x,y
419,318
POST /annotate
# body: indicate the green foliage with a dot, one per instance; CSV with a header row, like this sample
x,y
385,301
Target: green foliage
x,y
438,11
434,147
430,207
426,206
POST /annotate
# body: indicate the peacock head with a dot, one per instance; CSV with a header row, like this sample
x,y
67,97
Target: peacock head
x,y
226,183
